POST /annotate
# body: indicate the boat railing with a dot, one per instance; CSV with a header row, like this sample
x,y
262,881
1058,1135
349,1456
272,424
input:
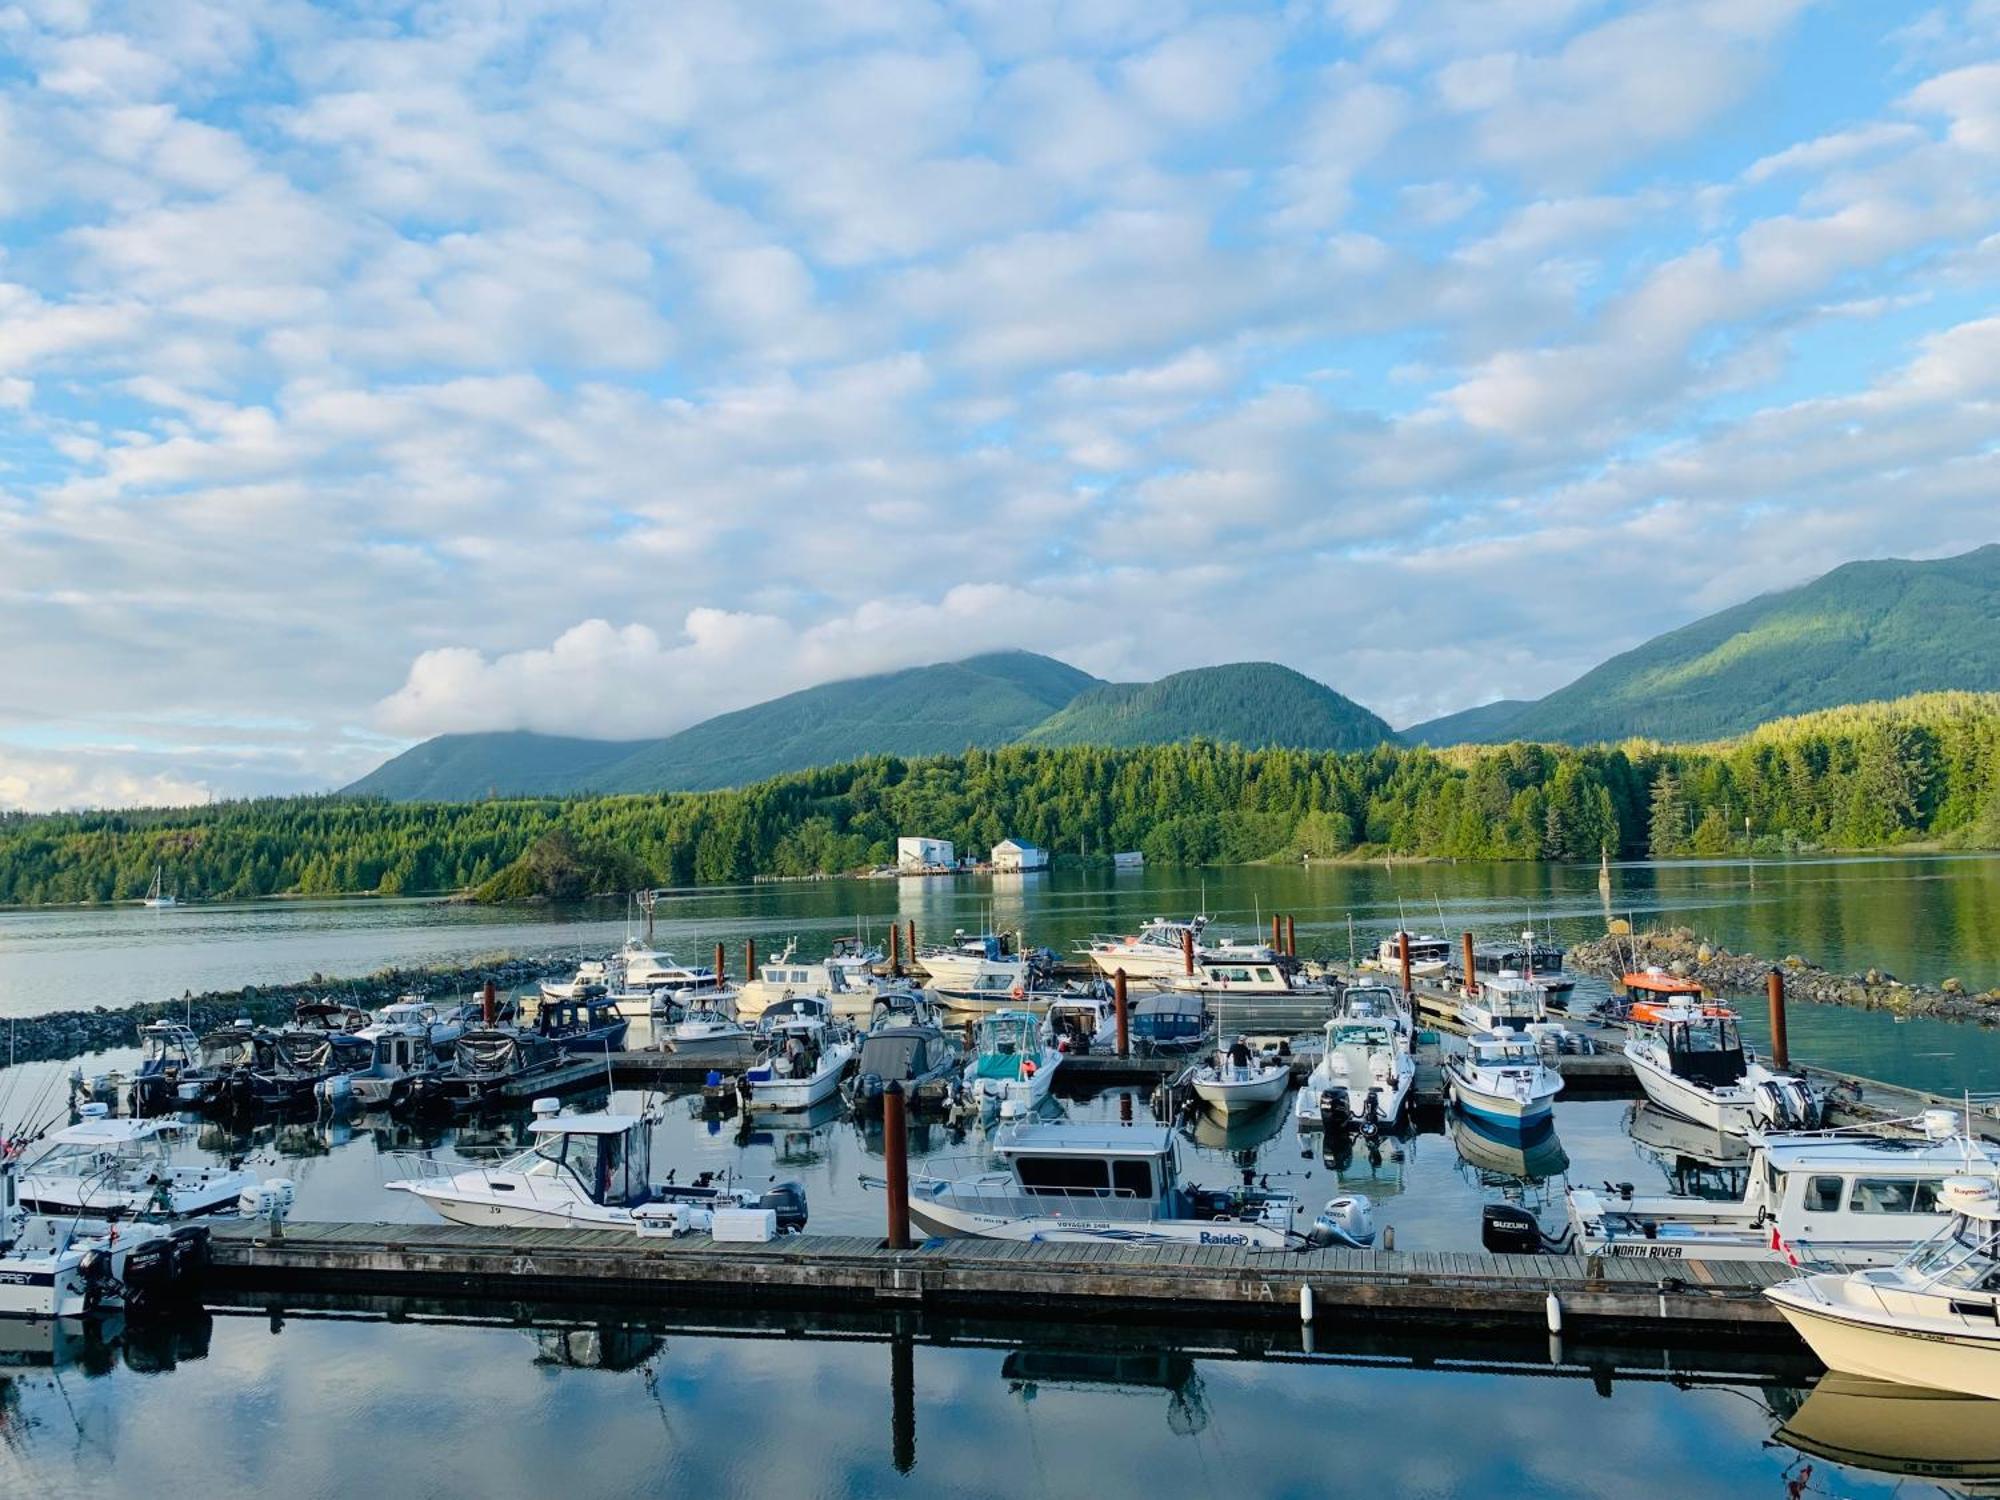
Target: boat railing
x,y
1055,1204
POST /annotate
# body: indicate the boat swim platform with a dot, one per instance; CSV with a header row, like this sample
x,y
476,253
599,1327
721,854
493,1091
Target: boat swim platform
x,y
1197,1286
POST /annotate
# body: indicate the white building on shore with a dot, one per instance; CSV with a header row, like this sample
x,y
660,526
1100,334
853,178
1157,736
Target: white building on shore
x,y
1012,857
924,854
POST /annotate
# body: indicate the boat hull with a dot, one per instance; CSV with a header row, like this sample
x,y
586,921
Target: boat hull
x,y
1237,1096
1677,1096
1497,1111
1926,1354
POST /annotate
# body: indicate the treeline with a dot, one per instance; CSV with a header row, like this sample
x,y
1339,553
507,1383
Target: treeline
x,y
1924,768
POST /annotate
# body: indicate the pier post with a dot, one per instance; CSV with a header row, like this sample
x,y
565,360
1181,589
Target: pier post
x,y
896,1164
721,967
1124,1014
1187,952
1774,991
1471,982
1277,936
895,951
1403,959
1291,937
489,1003
911,945
749,962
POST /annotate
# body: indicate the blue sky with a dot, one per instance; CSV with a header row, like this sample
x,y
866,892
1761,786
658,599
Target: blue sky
x,y
373,372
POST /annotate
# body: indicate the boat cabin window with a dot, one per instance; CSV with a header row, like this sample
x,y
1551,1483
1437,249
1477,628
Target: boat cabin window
x,y
1132,1179
1823,1194
1062,1174
1265,976
1893,1195
1231,976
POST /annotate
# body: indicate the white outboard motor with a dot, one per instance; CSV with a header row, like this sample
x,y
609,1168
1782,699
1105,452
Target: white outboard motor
x,y
1348,1221
1782,1101
271,1198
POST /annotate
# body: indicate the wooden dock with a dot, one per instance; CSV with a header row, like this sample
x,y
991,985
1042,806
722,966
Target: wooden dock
x,y
1198,1286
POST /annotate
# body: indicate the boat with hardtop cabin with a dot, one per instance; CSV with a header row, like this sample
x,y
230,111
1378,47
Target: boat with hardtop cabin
x,y
1013,1062
107,1168
1691,1061
1503,1080
1364,1077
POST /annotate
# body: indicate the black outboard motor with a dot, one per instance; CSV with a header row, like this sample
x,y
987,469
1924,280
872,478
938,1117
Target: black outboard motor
x,y
788,1201
1506,1229
149,1274
190,1259
1371,1114
1333,1111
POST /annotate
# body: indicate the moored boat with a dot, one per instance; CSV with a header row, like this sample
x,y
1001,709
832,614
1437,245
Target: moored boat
x,y
101,1167
1364,1077
1012,1062
806,1053
1502,1079
1238,1080
1692,1062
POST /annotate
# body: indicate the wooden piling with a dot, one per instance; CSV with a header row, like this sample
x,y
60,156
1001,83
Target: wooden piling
x,y
1774,991
1403,959
749,960
721,966
910,947
1124,1013
1291,937
896,1164
489,1003
1187,951
1277,935
1471,978
895,951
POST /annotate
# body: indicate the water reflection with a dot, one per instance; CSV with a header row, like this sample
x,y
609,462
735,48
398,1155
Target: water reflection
x,y
1698,1162
1508,1158
1950,1439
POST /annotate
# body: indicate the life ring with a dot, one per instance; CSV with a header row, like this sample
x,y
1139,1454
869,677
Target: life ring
x,y
1017,992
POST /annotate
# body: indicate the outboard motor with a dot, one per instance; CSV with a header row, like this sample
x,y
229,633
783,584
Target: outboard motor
x,y
1348,1221
1508,1229
1333,1110
868,1089
788,1201
149,1274
1785,1103
190,1255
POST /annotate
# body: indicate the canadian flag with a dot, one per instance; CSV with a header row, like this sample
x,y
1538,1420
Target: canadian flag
x,y
1779,1247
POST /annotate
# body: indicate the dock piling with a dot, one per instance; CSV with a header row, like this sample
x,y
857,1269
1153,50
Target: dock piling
x,y
911,945
895,950
1291,937
1774,991
749,961
1277,936
1471,981
1403,959
896,1164
1124,1011
721,966
489,1003
1187,951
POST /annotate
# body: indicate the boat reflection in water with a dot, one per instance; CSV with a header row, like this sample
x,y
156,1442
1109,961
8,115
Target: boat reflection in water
x,y
598,1346
1531,1155
1947,1439
1698,1161
1029,1371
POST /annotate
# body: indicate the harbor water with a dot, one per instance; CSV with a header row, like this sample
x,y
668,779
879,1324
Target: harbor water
x,y
437,1400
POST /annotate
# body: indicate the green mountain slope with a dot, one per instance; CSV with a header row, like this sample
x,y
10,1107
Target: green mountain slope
x,y
1254,704
465,767
983,700
1469,726
935,710
1864,632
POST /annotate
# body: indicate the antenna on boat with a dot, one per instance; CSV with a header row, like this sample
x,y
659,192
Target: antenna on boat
x,y
1352,961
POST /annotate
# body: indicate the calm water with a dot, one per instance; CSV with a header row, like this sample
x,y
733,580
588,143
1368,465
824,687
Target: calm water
x,y
447,1402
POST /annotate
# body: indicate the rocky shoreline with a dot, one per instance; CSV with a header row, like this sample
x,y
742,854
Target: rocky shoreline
x,y
1681,952
75,1033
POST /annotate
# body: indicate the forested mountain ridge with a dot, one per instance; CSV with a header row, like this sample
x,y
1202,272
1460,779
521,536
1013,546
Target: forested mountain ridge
x,y
1253,704
1874,776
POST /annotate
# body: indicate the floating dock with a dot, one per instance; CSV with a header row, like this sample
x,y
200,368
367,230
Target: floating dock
x,y
1209,1285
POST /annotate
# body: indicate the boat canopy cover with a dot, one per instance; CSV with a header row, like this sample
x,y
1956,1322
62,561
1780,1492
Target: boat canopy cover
x,y
487,1053
900,1054
584,1125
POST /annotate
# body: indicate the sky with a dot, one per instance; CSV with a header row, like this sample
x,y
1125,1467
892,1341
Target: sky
x,y
370,372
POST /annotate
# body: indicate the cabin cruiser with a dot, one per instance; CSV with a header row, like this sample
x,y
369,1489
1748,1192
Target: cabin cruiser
x,y
488,1064
225,1051
915,1056
1932,1319
976,959
843,981
1508,1002
124,1169
1501,1079
1246,979
1237,1080
1539,962
309,1066
403,1051
1836,1198
1119,1184
592,1026
1161,948
806,1054
442,1027
1365,1075
1651,991
167,1051
647,974
589,1171
1013,1062
66,1266
708,1033
328,1015
1692,1061
1429,956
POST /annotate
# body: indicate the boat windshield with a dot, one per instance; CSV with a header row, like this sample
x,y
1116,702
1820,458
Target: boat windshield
x,y
1965,1257
597,1161
1007,1034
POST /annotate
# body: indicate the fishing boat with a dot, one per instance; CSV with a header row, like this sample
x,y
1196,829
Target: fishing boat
x,y
1501,1079
103,1167
589,1171
224,1052
1364,1077
1650,992
1838,1198
403,1052
68,1266
594,1025
1429,955
492,1064
1692,1062
1240,1082
1012,1062
1932,1319
1247,980
994,991
710,1034
806,1052
1168,1023
1121,1184
591,979
970,958
1160,949
842,980
919,1057
443,1027
157,896
167,1050
1532,958
1082,1019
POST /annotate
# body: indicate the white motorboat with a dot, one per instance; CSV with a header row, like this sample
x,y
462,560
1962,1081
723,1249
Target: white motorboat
x,y
1510,1002
1364,1077
709,1033
1692,1061
1246,980
970,959
1097,1183
69,1266
1084,1019
648,981
1233,1083
1428,955
1538,961
1831,1198
591,979
126,1169
843,981
1501,1079
442,1027
1161,948
403,1050
806,1054
1013,1061
589,1171
1932,1319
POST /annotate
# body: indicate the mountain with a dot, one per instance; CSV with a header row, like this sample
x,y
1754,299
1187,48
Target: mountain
x,y
1254,704
1484,724
1864,632
935,710
463,767
938,710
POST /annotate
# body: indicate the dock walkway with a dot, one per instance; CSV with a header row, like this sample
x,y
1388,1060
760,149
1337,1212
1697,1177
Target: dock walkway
x,y
1210,1285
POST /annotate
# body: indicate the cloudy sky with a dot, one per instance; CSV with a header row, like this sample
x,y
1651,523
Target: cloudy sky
x,y
369,372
